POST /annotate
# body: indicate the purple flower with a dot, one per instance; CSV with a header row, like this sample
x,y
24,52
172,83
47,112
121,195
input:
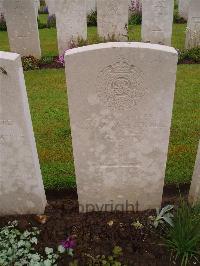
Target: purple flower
x,y
69,243
61,58
136,7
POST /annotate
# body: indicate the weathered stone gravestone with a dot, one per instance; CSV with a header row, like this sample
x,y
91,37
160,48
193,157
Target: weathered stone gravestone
x,y
71,23
91,6
193,25
1,7
22,27
51,6
157,20
37,6
194,194
112,19
21,188
120,113
183,8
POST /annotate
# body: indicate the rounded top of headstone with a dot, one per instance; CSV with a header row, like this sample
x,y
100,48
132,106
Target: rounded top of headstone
x,y
139,45
9,56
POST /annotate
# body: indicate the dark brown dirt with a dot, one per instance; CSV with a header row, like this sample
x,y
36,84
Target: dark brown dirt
x,y
96,234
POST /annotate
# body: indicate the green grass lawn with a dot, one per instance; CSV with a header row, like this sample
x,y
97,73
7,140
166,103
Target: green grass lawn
x,y
48,102
48,38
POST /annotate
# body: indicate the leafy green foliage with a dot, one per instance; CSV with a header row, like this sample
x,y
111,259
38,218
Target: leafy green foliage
x,y
18,248
178,19
163,215
135,19
183,239
45,60
190,55
101,260
137,225
92,18
41,25
3,26
32,63
29,63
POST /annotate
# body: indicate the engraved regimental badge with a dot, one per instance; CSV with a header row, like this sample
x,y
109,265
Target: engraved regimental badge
x,y
120,86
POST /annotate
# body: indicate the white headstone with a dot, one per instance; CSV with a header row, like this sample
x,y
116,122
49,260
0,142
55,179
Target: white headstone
x,y
120,113
71,23
183,8
51,6
157,20
37,6
194,194
1,7
91,6
21,188
112,19
22,27
193,25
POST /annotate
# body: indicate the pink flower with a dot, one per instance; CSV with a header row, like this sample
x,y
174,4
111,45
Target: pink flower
x,y
69,243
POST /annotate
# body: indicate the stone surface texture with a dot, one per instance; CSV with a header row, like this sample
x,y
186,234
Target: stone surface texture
x,y
120,102
157,21
71,23
22,27
1,7
193,25
112,19
37,6
183,8
194,194
21,187
51,6
91,6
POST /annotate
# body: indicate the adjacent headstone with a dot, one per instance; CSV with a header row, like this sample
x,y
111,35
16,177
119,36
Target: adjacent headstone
x,y
183,8
37,6
22,27
193,25
1,8
157,21
51,6
194,194
120,112
71,23
21,188
112,19
91,6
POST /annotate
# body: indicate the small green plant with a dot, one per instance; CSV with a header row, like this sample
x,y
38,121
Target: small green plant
x,y
137,225
183,239
3,26
192,55
135,19
18,248
100,260
45,60
178,19
41,25
163,215
92,18
29,63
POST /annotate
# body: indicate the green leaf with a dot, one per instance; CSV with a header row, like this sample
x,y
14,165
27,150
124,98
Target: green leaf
x,y
48,250
61,249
